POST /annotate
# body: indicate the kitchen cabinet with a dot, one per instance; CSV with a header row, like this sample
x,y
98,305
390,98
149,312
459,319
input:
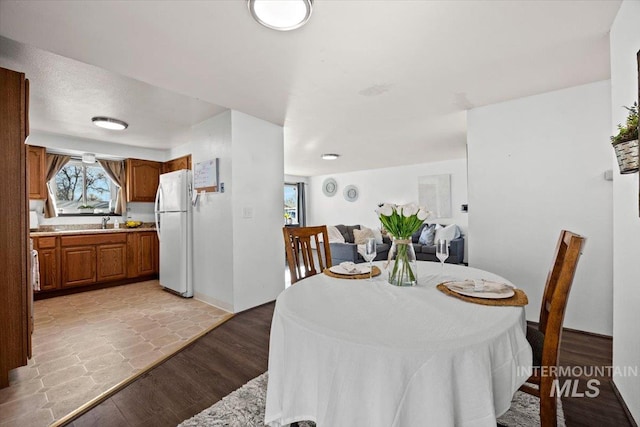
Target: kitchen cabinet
x,y
92,258
49,260
78,262
143,177
112,262
16,321
36,172
78,266
180,163
143,258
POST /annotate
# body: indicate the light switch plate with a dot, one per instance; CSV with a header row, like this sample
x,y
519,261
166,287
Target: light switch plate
x,y
247,212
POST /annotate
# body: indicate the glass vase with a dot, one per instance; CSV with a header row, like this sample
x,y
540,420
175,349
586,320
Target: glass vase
x,y
403,270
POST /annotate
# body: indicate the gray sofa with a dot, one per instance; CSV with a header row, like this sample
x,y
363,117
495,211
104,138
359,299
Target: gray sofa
x,y
428,253
348,251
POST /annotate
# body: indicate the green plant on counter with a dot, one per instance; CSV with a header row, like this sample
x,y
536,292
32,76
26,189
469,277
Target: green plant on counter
x,y
628,131
86,207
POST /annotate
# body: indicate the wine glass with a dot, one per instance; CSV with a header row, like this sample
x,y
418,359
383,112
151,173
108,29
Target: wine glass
x,y
370,253
442,252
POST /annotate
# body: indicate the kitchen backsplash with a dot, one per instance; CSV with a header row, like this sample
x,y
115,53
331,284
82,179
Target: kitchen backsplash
x,y
135,211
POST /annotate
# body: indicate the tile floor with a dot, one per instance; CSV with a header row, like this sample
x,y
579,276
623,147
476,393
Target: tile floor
x,y
84,344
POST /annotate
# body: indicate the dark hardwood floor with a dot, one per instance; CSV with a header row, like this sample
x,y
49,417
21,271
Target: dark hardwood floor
x,y
237,351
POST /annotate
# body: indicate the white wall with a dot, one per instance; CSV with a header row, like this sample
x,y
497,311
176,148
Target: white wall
x,y
212,218
239,261
536,167
625,42
393,185
258,165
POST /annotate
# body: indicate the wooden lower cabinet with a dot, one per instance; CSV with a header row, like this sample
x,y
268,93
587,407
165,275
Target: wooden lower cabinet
x,y
112,262
82,260
147,253
78,266
49,269
49,260
143,255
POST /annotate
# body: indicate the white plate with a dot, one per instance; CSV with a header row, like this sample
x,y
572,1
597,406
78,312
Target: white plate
x,y
489,290
350,193
329,187
340,270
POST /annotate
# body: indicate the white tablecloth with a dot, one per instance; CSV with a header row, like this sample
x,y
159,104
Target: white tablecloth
x,y
366,353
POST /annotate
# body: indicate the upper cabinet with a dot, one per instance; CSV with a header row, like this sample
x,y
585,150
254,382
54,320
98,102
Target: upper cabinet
x,y
143,177
36,172
177,164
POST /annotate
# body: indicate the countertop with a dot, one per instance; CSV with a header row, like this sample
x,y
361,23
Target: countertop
x,y
64,232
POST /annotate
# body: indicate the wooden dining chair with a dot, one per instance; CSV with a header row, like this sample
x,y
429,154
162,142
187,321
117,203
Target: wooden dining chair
x,y
301,256
545,338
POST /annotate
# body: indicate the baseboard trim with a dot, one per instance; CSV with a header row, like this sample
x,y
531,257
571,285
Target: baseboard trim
x,y
627,412
578,331
213,302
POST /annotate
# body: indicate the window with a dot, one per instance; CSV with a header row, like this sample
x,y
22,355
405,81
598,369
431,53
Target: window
x,y
81,188
290,204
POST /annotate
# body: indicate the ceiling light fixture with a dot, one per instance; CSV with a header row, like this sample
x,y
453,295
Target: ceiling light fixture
x,y
88,158
330,156
109,123
281,15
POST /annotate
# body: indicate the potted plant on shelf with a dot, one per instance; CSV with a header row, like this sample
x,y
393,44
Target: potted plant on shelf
x,y
625,143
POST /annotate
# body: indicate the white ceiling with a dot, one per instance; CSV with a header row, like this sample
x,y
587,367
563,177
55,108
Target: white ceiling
x,y
383,83
65,94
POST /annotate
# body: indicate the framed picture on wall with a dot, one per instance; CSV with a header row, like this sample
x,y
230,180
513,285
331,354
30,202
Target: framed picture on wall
x,y
434,192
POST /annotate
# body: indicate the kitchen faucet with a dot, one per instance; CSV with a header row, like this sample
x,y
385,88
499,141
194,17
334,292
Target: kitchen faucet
x,y
105,219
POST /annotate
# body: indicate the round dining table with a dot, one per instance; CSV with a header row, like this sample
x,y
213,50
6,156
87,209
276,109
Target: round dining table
x,y
347,352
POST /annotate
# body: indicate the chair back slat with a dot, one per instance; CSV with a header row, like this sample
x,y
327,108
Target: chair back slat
x,y
556,293
304,246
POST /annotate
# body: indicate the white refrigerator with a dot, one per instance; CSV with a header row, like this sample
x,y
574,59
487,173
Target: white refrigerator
x,y
174,227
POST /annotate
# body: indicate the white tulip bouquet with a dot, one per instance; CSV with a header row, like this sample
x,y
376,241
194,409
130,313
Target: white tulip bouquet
x,y
401,222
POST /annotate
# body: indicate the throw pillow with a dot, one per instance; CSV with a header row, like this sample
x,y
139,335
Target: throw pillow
x,y
360,236
447,233
334,234
428,235
377,234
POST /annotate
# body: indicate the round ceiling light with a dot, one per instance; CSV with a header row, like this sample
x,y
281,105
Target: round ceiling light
x,y
330,156
109,123
281,15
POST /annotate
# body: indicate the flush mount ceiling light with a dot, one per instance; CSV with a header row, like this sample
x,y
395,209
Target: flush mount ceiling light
x,y
109,123
88,158
330,156
281,15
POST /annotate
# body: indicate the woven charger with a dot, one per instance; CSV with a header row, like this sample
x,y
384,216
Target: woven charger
x,y
519,299
375,272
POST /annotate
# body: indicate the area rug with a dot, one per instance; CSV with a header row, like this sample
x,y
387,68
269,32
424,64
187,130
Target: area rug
x,y
245,408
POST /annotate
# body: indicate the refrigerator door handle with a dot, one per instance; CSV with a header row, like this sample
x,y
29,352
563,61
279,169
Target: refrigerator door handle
x,y
157,210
